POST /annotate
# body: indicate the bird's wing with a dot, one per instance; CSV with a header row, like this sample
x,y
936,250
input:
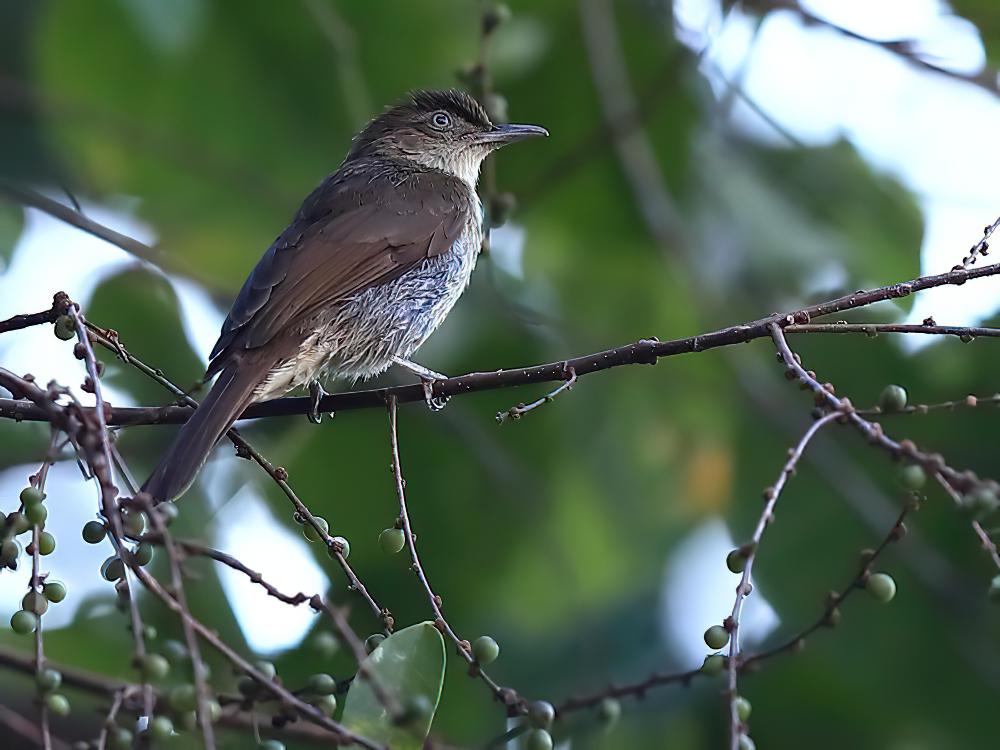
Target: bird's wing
x,y
352,233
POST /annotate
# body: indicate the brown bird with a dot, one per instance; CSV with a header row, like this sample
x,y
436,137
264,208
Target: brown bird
x,y
373,261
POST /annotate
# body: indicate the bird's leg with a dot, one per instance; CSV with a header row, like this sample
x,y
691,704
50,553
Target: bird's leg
x,y
316,393
427,378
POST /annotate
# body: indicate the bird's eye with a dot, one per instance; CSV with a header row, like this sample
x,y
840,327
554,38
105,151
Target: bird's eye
x,y
441,120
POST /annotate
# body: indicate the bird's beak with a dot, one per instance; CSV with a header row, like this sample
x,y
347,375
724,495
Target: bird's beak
x,y
501,135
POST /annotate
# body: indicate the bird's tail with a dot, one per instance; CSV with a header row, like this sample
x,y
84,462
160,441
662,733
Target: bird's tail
x,y
231,394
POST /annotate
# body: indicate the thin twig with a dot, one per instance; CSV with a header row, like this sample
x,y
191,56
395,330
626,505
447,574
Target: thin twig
x,y
516,412
732,624
507,696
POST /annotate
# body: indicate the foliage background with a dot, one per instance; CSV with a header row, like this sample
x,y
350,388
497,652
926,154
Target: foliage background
x,y
210,120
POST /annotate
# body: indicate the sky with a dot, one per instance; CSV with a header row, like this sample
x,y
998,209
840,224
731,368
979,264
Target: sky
x,y
838,88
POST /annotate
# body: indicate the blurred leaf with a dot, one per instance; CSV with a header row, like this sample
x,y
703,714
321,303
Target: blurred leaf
x,y
410,663
11,224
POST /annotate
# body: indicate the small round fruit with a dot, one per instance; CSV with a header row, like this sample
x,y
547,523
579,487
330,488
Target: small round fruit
x,y
155,666
345,545
36,514
46,542
981,502
214,710
541,714
326,643
538,739
32,496
134,522
94,532
994,591
743,708
22,622
184,698
735,561
9,551
54,591
327,704
321,684
392,541
373,641
609,711
143,553
48,680
35,602
160,728
418,708
311,534
65,328
271,745
881,586
113,569
913,477
267,669
121,739
18,522
746,743
713,664
716,637
485,650
247,686
893,398
167,512
175,651
58,704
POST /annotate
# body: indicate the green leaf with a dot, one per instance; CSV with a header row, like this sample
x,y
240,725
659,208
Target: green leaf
x,y
409,664
11,224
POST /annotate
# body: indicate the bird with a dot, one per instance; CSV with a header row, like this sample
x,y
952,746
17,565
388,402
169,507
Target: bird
x,y
372,263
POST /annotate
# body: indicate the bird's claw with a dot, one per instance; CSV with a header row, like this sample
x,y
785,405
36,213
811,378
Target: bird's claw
x,y
316,393
434,403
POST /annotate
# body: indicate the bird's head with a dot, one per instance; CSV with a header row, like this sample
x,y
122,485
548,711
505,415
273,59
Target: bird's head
x,y
446,130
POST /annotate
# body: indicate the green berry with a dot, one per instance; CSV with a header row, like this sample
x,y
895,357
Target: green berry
x,y
214,710
981,502
31,496
892,398
881,586
321,684
746,743
994,592
22,622
18,522
58,704
48,680
93,532
65,328
161,728
541,714
311,534
743,708
121,739
36,514
175,651
538,739
9,551
418,708
913,477
713,664
113,569
346,547
485,650
735,561
55,591
167,512
46,542
143,553
327,704
271,745
267,669
34,602
392,541
247,686
609,711
183,698
134,522
155,667
716,637
326,643
373,641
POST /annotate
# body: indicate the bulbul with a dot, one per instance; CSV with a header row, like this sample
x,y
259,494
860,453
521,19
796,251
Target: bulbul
x,y
373,261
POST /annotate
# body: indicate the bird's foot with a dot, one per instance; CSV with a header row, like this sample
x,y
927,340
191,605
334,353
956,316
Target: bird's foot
x,y
316,393
427,378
